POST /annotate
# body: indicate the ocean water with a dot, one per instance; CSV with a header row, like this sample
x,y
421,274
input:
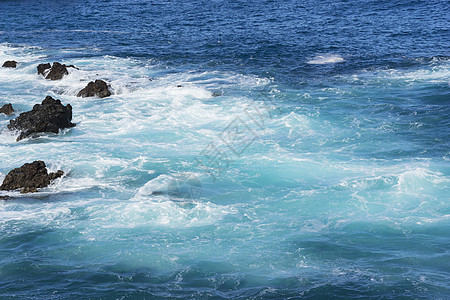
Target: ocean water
x,y
250,150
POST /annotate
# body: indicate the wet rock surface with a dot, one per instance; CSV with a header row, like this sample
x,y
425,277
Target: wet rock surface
x,y
7,109
54,72
42,68
29,177
9,64
98,88
50,116
57,71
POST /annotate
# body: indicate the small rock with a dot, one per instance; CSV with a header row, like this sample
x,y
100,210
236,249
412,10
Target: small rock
x,y
29,178
50,116
5,198
216,94
42,68
98,88
56,175
57,71
7,109
10,64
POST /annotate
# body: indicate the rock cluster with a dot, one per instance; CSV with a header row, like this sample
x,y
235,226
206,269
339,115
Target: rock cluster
x,y
57,70
50,116
29,178
98,88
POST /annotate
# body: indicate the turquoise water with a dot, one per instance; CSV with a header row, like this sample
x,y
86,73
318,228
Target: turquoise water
x,y
257,170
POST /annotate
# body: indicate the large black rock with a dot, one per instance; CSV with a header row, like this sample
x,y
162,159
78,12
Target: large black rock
x,y
29,178
50,116
10,64
7,109
98,88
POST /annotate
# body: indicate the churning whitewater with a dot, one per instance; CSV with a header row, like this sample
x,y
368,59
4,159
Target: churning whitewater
x,y
247,151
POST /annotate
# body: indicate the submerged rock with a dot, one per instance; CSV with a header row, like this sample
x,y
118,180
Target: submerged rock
x,y
7,109
10,64
57,71
29,178
98,88
50,116
42,68
72,66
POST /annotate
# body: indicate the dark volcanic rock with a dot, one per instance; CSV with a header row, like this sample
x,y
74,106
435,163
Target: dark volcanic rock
x,y
56,175
10,64
7,109
29,178
98,88
42,67
50,116
57,71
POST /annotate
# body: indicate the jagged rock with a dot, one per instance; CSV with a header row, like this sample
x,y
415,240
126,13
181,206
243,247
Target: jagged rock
x,y
57,71
10,64
98,88
50,116
29,178
216,94
42,67
7,109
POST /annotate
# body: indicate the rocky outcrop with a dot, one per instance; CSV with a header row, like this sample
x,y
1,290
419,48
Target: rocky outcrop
x,y
50,116
42,68
7,109
98,88
10,64
29,177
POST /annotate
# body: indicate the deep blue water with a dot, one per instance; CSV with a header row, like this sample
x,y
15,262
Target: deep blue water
x,y
250,150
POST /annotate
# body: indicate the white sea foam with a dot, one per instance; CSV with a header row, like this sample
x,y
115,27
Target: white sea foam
x,y
326,59
157,185
21,54
439,73
145,213
155,119
419,179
